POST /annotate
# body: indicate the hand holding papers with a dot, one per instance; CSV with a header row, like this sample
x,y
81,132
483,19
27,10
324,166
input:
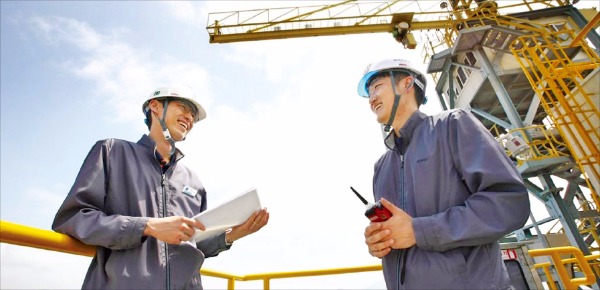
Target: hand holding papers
x,y
227,215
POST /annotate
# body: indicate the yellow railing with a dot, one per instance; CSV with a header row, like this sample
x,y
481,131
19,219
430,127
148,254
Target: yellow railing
x,y
541,141
559,263
45,239
559,81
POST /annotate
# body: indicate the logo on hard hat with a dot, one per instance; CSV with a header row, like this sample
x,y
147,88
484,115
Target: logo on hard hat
x,y
402,62
156,93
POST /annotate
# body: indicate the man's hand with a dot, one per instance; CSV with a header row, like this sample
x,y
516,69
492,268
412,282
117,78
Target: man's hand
x,y
400,226
254,223
377,239
172,230
395,233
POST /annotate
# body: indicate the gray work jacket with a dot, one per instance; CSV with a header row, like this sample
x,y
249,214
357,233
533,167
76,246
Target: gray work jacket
x,y
463,193
119,187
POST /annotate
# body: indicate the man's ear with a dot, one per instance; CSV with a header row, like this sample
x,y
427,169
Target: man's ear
x,y
407,81
155,106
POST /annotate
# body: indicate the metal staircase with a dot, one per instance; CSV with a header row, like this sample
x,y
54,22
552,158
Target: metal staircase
x,y
562,72
535,80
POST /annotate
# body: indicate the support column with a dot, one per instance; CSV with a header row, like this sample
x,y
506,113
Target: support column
x,y
503,97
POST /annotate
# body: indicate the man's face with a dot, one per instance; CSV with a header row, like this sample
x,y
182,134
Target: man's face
x,y
179,118
381,97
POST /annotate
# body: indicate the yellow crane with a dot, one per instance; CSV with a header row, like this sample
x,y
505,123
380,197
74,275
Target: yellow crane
x,y
353,17
346,17
529,70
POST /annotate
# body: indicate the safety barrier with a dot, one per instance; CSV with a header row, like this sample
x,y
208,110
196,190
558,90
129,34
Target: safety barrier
x,y
21,235
560,265
45,239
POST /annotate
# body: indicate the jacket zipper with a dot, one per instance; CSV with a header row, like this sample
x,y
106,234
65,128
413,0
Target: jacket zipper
x,y
164,214
403,254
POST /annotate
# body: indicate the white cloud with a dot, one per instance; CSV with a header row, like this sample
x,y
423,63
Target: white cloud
x,y
57,29
122,73
186,12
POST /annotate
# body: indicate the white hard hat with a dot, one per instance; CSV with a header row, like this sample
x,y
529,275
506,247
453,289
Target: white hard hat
x,y
184,93
390,64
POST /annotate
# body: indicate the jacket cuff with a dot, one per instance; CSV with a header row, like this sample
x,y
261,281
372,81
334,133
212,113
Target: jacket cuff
x,y
425,235
223,245
134,231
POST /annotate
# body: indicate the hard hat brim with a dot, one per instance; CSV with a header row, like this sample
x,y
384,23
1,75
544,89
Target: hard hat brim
x,y
201,112
363,91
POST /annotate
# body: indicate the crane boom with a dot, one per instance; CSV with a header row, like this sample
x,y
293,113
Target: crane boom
x,y
354,17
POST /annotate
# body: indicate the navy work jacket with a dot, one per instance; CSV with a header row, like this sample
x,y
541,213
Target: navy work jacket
x,y
463,193
120,186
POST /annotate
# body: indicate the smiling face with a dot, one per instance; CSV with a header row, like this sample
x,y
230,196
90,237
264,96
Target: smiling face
x,y
179,118
381,98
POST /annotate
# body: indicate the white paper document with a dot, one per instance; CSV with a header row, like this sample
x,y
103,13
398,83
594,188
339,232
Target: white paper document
x,y
227,215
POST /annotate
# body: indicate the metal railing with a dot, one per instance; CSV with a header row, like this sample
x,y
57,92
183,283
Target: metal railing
x,y
45,239
582,262
21,235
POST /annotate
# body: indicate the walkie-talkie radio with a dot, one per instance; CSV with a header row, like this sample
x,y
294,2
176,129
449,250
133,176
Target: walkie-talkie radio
x,y
375,212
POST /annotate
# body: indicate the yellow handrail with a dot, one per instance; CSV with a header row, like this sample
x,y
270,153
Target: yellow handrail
x,y
45,239
559,263
267,277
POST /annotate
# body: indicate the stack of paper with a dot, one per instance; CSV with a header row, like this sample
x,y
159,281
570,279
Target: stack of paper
x,y
227,215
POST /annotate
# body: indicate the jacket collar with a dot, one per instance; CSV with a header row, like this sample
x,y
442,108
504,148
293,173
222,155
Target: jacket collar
x,y
406,132
148,143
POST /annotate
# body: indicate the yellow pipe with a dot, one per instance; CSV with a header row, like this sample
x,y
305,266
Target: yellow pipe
x,y
266,277
585,30
306,273
43,239
49,240
559,264
219,274
21,235
549,278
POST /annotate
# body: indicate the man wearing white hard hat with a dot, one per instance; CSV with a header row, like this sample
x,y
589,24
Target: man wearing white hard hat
x,y
133,201
451,189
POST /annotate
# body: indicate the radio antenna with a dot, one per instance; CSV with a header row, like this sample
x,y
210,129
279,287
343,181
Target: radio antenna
x,y
359,196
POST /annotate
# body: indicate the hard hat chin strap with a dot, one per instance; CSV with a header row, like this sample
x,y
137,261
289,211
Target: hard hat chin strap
x,y
163,125
388,126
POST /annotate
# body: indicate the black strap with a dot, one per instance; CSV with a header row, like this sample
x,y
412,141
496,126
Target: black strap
x,y
163,125
388,126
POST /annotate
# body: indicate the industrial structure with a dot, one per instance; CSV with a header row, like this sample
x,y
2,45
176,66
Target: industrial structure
x,y
530,72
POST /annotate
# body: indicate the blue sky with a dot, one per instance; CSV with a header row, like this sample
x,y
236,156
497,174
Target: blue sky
x,y
283,116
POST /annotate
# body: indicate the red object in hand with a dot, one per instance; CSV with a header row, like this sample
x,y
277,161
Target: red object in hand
x,y
375,212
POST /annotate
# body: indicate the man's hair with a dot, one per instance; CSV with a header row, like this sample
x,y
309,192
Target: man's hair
x,y
148,119
400,75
